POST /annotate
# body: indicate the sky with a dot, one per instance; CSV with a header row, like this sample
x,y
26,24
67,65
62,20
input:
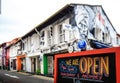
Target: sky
x,y
18,17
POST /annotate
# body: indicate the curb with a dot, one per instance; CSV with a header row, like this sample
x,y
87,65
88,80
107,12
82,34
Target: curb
x,y
43,77
24,73
37,76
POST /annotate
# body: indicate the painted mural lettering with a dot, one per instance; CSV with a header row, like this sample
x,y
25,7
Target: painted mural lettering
x,y
94,66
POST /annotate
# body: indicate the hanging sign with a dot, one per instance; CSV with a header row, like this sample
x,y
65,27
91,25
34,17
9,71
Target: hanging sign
x,y
82,44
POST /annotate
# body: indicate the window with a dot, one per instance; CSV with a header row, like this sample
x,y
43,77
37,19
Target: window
x,y
118,40
42,38
61,34
29,43
50,36
106,38
103,35
37,41
23,45
98,34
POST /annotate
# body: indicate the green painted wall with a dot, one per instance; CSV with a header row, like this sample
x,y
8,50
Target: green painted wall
x,y
45,64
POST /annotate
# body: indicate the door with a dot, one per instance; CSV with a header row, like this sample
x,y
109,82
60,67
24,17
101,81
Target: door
x,y
33,64
50,65
14,64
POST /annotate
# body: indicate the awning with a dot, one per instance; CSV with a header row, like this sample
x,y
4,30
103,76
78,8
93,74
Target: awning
x,y
98,44
21,56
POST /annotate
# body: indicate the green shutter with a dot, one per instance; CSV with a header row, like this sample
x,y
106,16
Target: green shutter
x,y
45,64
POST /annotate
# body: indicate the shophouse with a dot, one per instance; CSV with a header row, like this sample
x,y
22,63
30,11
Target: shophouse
x,y
7,57
12,52
0,57
75,27
20,56
3,46
31,51
3,55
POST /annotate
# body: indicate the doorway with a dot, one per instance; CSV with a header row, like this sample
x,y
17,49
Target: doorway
x,y
33,65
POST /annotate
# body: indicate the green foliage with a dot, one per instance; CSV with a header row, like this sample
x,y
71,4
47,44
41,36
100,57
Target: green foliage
x,y
38,72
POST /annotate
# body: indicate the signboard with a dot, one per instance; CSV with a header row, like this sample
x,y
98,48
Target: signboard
x,y
96,66
92,69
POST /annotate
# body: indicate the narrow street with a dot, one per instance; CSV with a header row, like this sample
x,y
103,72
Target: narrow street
x,y
17,77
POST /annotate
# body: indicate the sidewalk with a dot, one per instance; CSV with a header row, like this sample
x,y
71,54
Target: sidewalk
x,y
38,76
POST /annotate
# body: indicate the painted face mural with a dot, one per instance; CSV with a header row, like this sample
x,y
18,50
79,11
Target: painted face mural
x,y
81,20
84,17
87,18
83,24
90,22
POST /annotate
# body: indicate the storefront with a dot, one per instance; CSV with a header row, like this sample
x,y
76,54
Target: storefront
x,y
13,63
35,64
21,61
47,64
95,66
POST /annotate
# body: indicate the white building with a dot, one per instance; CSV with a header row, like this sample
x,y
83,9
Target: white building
x,y
74,28
32,49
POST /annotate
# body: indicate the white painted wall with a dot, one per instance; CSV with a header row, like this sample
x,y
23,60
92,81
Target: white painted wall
x,y
41,63
32,45
29,44
56,34
13,54
28,64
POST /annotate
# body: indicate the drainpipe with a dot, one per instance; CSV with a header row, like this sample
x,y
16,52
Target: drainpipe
x,y
37,31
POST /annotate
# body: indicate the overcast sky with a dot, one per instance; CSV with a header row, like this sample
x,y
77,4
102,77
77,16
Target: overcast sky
x,y
20,16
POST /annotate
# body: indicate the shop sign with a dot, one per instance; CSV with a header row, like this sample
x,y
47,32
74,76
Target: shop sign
x,y
87,69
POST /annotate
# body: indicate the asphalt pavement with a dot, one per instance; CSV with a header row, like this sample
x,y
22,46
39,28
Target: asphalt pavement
x,y
21,77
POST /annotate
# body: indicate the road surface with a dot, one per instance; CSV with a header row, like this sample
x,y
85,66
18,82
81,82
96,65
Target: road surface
x,y
18,77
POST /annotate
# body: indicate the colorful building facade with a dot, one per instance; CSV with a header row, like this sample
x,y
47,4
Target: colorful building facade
x,y
3,56
0,57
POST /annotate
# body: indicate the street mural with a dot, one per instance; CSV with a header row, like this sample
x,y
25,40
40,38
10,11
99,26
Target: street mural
x,y
84,22
93,69
87,18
